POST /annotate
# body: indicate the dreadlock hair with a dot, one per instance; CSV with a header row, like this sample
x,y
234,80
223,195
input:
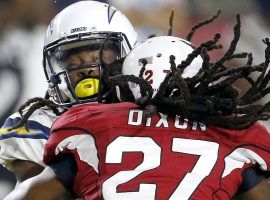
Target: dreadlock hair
x,y
201,24
209,96
171,23
170,31
109,70
201,98
30,106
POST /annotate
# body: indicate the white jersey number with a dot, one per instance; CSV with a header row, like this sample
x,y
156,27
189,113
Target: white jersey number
x,y
208,152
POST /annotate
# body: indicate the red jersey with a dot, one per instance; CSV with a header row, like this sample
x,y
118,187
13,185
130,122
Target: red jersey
x,y
122,156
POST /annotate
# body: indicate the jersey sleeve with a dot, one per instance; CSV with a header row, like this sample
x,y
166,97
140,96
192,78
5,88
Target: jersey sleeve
x,y
251,149
22,144
259,147
81,145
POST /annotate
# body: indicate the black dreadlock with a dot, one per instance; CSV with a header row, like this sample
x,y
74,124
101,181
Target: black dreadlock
x,y
171,23
201,24
170,31
209,96
109,70
33,104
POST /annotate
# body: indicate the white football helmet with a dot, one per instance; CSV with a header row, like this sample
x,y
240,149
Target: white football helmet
x,y
157,52
82,24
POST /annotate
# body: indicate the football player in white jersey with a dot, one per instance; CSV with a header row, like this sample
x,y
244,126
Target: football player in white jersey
x,y
21,147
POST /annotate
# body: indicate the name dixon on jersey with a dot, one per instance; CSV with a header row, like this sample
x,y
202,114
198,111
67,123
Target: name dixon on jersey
x,y
135,118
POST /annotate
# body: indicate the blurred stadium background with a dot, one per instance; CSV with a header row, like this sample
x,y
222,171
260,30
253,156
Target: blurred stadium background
x,y
23,24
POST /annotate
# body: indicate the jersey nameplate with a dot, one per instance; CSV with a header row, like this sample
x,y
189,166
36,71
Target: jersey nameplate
x,y
135,118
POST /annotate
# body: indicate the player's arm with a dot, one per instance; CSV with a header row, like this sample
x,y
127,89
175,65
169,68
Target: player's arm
x,y
259,192
54,182
21,148
24,169
256,186
44,186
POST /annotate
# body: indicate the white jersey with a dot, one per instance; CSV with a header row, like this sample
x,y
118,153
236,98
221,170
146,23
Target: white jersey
x,y
20,144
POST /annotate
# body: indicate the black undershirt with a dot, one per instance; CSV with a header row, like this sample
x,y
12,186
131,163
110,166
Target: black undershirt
x,y
65,170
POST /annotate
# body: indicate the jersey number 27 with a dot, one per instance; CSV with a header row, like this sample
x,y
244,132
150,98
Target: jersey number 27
x,y
151,160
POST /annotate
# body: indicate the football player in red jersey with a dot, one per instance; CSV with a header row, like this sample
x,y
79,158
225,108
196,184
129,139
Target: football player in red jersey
x,y
141,154
189,135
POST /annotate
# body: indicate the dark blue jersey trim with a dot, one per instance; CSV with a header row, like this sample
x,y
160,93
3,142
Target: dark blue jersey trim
x,y
39,135
36,130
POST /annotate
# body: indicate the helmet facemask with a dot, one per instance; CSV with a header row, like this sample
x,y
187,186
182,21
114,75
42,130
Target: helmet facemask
x,y
77,69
